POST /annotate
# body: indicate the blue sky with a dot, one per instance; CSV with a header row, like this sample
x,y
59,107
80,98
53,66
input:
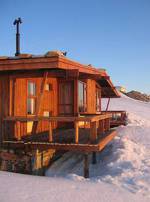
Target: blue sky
x,y
112,34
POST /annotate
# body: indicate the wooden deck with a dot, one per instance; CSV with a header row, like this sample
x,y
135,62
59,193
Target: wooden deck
x,y
91,139
63,141
118,118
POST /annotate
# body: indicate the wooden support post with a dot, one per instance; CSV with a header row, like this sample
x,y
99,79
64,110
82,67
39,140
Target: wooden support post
x,y
108,122
94,161
18,128
76,132
42,167
93,131
39,101
103,125
50,132
100,127
86,165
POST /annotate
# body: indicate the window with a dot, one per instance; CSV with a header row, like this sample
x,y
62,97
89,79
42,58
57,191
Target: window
x,y
82,97
31,99
66,98
98,99
31,88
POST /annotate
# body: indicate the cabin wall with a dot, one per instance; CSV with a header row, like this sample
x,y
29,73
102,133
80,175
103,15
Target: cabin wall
x,y
4,100
19,100
91,96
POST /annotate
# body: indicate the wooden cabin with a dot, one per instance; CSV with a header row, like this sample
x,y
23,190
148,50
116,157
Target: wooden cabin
x,y
51,102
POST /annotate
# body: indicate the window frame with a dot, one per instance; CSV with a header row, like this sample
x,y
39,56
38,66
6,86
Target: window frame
x,y
84,107
98,98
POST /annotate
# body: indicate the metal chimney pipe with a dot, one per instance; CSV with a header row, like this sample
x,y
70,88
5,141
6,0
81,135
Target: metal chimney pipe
x,y
17,22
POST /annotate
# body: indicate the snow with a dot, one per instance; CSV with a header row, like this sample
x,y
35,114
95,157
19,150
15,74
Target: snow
x,y
122,172
17,187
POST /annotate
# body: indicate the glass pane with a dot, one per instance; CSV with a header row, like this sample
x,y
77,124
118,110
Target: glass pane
x,y
98,100
31,106
82,96
31,88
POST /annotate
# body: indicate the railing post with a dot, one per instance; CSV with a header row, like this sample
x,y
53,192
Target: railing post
x,y
50,132
93,131
18,130
76,132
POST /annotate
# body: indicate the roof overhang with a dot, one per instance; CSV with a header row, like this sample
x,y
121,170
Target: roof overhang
x,y
60,62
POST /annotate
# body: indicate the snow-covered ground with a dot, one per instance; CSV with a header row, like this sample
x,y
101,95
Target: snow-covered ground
x,y
121,174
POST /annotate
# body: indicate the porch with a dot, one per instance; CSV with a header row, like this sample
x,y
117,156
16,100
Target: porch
x,y
90,135
118,118
80,138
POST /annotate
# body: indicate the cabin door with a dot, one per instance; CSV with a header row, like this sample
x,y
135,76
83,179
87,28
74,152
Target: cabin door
x,y
66,98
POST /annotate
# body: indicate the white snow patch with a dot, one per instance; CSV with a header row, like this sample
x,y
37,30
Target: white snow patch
x,y
122,172
17,187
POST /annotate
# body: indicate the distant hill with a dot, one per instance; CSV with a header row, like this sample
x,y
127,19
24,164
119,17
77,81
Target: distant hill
x,y
138,96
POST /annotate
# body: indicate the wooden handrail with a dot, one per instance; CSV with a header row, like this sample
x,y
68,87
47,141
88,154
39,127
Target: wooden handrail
x,y
90,118
100,122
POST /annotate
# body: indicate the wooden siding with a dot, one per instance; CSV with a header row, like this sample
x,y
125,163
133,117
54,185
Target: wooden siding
x,y
4,100
14,99
91,96
13,89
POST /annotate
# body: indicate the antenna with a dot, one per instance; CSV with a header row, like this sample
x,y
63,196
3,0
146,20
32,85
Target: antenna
x,y
17,22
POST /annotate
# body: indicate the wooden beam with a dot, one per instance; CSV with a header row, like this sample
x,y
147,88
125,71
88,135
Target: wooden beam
x,y
86,165
93,131
94,160
101,126
50,132
18,128
39,101
91,118
76,132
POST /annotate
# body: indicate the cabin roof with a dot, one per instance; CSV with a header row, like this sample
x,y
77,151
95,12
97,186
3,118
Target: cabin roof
x,y
56,60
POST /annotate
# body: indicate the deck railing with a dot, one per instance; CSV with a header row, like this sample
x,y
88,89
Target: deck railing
x,y
98,124
118,117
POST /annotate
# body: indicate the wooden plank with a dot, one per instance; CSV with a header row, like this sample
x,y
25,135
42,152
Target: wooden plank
x,y
18,128
101,127
50,132
86,165
93,131
8,156
39,101
40,97
76,132
60,118
46,63
56,146
103,142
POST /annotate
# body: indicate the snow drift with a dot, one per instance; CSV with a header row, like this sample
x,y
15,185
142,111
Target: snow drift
x,y
121,174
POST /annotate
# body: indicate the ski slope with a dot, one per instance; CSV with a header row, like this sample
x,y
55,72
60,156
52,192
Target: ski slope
x,y
122,172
